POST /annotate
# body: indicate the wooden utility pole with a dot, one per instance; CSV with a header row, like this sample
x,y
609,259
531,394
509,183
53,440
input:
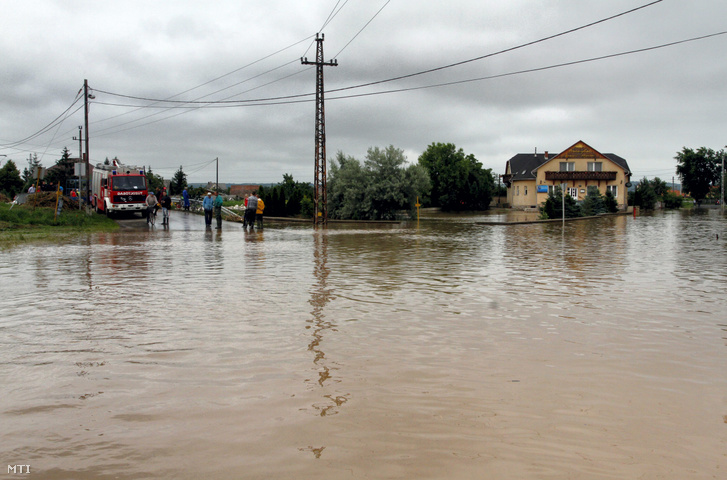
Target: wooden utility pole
x,y
86,96
319,182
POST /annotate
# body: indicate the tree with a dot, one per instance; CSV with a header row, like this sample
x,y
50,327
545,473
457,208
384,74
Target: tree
x,y
553,206
594,203
672,200
154,181
659,186
10,182
346,188
458,181
645,196
610,202
179,182
30,171
379,188
63,169
699,170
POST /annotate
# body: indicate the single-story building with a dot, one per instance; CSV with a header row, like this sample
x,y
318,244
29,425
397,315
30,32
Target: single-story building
x,y
529,177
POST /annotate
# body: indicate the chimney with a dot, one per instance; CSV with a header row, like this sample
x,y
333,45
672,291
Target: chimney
x,y
546,154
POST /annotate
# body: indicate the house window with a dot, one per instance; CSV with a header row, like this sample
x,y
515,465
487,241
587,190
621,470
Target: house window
x,y
592,190
525,188
613,189
595,166
567,166
518,190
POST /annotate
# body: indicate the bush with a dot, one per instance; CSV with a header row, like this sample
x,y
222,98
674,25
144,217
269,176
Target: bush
x,y
553,206
672,201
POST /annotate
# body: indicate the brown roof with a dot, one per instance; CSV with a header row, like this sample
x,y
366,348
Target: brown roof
x,y
243,190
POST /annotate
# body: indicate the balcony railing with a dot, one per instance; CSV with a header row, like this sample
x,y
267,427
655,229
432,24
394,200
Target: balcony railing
x,y
607,176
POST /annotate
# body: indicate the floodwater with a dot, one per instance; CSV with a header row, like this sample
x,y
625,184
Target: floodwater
x,y
447,349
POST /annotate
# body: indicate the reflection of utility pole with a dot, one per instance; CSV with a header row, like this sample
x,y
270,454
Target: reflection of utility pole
x,y
319,182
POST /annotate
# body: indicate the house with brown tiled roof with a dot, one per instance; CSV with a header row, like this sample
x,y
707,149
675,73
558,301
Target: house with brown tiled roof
x,y
242,191
531,177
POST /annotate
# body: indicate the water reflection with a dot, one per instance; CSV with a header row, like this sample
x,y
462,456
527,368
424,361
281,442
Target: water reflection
x,y
320,326
451,349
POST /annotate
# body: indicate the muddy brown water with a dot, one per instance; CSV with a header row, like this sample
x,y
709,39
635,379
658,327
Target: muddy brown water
x,y
445,349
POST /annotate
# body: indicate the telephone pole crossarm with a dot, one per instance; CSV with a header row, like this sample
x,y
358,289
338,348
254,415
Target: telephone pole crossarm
x,y
319,183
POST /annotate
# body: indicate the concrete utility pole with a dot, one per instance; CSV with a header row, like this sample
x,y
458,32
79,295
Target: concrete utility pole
x,y
319,182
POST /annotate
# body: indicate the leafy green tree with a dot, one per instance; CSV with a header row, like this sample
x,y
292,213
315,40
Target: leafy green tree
x,y
458,181
29,171
645,196
699,170
594,203
553,206
62,171
610,202
347,183
378,189
672,200
292,205
179,182
10,182
154,181
659,186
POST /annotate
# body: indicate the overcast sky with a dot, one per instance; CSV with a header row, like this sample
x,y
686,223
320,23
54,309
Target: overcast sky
x,y
644,107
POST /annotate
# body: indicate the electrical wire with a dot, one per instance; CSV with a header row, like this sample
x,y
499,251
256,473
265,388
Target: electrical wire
x,y
201,85
47,127
293,99
378,82
530,70
362,29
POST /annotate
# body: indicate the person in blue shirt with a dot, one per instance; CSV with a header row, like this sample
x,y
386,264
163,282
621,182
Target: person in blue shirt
x,y
185,195
208,205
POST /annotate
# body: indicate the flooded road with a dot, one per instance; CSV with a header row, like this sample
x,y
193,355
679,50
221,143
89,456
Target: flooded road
x,y
446,349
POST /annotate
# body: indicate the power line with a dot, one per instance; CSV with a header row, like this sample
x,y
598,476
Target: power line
x,y
47,127
482,57
530,70
507,50
362,29
293,99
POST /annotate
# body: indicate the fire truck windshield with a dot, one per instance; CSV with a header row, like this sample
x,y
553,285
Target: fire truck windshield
x,y
120,184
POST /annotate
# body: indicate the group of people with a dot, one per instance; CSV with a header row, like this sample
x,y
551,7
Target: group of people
x,y
254,207
212,207
154,201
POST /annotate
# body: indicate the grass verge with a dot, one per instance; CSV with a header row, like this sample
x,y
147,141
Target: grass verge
x,y
21,224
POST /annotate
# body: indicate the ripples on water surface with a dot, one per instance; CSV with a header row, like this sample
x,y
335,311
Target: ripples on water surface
x,y
447,350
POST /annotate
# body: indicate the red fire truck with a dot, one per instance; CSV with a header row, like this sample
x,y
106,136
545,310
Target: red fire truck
x,y
118,188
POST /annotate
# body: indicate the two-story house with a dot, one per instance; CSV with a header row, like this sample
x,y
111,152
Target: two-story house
x,y
529,177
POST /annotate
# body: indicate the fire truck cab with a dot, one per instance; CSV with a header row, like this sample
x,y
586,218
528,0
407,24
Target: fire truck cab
x,y
118,188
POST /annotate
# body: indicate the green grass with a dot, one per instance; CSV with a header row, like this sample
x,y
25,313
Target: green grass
x,y
25,224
